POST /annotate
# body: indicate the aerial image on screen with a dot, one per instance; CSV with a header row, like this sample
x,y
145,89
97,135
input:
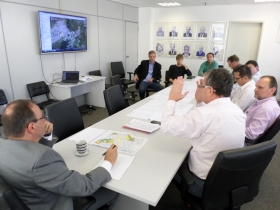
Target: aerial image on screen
x,y
60,33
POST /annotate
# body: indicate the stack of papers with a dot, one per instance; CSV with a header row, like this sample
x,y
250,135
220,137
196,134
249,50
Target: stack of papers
x,y
141,126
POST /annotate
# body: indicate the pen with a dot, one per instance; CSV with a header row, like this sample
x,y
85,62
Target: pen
x,y
105,152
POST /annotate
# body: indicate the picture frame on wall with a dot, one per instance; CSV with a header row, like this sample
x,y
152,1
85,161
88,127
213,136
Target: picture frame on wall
x,y
174,30
218,50
159,48
218,30
201,49
172,48
203,30
188,30
160,30
186,49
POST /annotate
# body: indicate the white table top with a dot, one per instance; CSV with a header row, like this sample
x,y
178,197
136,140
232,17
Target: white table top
x,y
94,79
151,171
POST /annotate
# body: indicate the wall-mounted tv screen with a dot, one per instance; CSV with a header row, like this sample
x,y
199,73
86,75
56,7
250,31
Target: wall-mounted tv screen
x,y
62,33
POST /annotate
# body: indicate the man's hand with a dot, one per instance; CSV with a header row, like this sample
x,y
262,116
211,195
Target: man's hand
x,y
112,154
185,66
198,92
135,79
48,127
176,90
150,80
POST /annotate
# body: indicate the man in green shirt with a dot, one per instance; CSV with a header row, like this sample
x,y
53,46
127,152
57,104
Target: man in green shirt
x,y
208,65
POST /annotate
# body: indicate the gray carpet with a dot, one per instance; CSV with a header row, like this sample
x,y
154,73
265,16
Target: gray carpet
x,y
267,199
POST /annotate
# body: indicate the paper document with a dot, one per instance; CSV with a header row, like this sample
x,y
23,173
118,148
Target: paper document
x,y
85,78
142,126
126,142
120,167
88,134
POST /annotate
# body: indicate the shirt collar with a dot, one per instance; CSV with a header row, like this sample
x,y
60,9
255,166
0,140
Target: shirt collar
x,y
220,100
251,82
266,99
151,63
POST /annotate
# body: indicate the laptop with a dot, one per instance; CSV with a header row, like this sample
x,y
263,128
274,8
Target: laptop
x,y
69,77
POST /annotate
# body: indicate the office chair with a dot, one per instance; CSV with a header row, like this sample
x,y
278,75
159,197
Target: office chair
x,y
117,69
114,99
221,66
98,73
116,80
232,180
167,83
3,101
40,88
15,203
270,133
66,118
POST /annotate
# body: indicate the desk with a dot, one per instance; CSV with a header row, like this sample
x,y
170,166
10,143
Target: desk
x,y
152,170
93,90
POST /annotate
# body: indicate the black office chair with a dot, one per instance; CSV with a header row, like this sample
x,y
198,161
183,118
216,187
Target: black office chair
x,y
232,180
114,99
116,80
3,101
66,118
167,83
270,133
221,66
117,69
98,73
40,88
15,203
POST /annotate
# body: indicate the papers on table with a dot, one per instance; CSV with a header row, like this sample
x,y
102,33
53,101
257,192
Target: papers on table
x,y
120,167
88,134
126,142
141,126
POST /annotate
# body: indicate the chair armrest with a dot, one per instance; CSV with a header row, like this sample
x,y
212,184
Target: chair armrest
x,y
84,203
130,74
186,175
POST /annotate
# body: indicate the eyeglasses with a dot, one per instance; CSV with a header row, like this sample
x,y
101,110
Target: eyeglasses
x,y
35,121
205,86
238,78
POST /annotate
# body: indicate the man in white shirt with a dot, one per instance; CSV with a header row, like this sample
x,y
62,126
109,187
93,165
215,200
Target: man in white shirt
x,y
254,66
244,95
215,125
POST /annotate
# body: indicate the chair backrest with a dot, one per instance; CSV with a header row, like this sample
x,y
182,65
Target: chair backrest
x,y
13,200
114,99
66,118
38,88
3,98
116,80
166,75
235,175
271,132
117,69
95,73
221,66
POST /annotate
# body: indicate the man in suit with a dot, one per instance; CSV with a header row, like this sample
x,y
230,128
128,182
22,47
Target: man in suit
x,y
173,33
147,75
188,32
160,32
38,174
202,32
200,52
172,50
186,52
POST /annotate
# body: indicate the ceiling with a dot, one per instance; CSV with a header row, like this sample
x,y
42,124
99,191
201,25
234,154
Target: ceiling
x,y
185,3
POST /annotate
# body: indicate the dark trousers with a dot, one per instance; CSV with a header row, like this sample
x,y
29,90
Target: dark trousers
x,y
145,85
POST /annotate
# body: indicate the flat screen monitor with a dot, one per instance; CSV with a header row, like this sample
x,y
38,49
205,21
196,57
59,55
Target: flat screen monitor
x,y
62,33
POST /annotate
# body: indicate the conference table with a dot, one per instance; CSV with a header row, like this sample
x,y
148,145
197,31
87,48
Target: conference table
x,y
150,173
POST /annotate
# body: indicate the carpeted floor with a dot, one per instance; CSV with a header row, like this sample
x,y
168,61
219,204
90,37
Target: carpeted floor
x,y
267,199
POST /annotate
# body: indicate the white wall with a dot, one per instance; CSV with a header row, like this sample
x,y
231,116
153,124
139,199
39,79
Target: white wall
x,y
269,49
19,33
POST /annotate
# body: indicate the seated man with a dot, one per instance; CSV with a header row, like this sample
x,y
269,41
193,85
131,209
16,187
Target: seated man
x,y
263,112
208,65
254,66
179,69
38,174
233,62
243,95
147,75
208,127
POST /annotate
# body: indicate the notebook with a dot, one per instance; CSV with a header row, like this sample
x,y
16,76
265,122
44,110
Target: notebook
x,y
70,77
